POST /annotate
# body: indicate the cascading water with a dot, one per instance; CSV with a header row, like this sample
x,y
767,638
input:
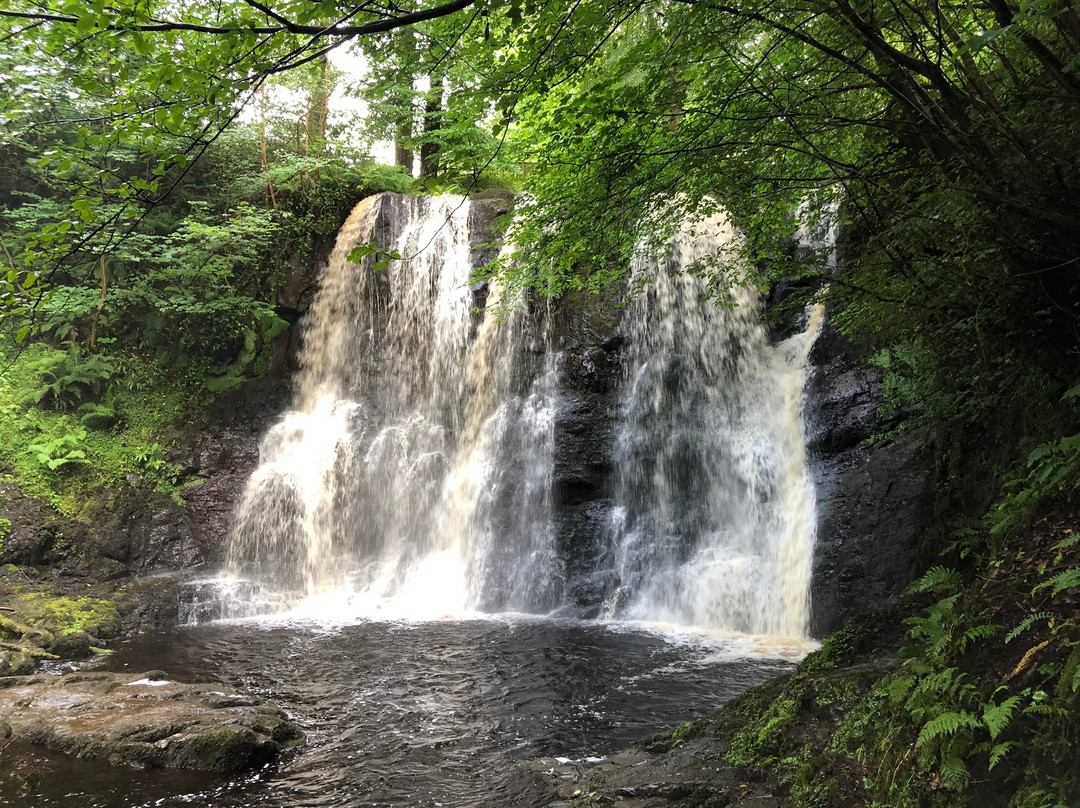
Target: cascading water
x,y
416,477
714,521
415,473
415,469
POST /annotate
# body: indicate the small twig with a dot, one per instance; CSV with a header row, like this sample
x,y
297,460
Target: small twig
x,y
1025,660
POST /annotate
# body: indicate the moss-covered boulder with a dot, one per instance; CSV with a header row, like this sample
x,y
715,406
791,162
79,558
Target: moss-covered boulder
x,y
72,645
16,662
145,720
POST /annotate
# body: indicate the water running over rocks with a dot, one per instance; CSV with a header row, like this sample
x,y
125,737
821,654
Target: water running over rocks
x,y
413,476
415,468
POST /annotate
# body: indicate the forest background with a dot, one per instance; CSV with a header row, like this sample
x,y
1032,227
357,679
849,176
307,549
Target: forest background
x,y
162,166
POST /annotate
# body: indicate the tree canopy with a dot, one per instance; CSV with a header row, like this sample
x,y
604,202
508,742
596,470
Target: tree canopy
x,y
945,131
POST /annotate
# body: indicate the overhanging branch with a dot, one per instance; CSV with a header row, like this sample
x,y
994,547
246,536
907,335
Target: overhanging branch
x,y
284,26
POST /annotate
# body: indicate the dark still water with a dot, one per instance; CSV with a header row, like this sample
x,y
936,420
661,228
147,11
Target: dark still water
x,y
410,714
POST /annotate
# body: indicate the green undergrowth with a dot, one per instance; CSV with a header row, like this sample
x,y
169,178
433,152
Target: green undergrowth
x,y
73,423
967,694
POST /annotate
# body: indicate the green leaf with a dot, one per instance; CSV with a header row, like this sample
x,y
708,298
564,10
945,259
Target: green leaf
x,y
936,579
1027,623
998,752
997,717
1069,579
984,38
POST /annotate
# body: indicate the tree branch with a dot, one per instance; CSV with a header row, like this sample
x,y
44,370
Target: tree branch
x,y
285,26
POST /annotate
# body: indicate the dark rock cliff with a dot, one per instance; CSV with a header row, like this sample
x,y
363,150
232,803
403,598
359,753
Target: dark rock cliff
x,y
873,500
585,331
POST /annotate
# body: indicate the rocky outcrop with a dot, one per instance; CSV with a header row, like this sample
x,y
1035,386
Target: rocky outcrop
x,y
220,457
873,500
634,778
144,720
585,331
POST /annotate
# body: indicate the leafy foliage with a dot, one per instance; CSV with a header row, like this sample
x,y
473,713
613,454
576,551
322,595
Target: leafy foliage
x,y
60,451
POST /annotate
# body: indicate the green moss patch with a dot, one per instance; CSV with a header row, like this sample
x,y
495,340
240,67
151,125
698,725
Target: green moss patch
x,y
63,614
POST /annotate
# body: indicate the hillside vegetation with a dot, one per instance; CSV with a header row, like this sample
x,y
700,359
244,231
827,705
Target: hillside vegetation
x,y
147,225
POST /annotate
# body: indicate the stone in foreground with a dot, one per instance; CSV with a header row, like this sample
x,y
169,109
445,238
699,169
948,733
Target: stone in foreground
x,y
144,720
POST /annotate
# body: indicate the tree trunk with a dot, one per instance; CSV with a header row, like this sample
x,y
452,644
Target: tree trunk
x,y
318,108
429,149
403,154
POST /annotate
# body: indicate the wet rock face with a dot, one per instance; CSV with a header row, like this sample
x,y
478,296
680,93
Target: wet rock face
x,y
845,402
873,502
223,455
144,720
585,330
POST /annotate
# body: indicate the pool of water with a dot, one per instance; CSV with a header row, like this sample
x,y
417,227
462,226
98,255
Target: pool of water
x,y
402,713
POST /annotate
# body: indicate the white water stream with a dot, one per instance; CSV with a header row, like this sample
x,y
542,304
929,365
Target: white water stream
x,y
714,522
414,475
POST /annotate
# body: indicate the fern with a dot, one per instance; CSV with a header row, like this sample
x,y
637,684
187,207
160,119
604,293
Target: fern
x,y
1040,453
1069,541
936,579
997,716
60,451
979,632
900,687
946,724
1068,579
1047,709
998,752
954,772
1027,623
97,416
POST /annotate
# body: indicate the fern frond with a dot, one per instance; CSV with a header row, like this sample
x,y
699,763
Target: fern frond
x,y
979,632
1047,709
944,725
998,752
953,771
1027,623
1069,579
1039,453
935,579
1068,541
901,686
997,716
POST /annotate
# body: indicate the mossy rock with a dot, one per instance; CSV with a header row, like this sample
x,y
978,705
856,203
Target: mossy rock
x,y
223,749
62,614
16,663
12,629
39,638
72,645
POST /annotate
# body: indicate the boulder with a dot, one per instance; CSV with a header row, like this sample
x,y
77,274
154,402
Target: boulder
x,y
145,720
16,662
72,645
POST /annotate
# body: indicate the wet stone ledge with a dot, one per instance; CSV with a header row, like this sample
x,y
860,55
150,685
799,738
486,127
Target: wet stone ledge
x,y
145,720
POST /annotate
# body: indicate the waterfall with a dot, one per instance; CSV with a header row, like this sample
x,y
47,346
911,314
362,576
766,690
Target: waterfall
x,y
714,521
414,471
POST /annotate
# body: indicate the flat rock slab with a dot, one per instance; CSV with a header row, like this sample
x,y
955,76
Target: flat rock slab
x,y
635,778
144,720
